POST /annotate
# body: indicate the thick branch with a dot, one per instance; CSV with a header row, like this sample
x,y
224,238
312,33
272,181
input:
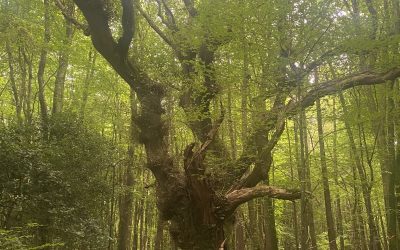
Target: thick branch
x,y
334,86
274,119
128,27
238,197
260,171
102,39
194,160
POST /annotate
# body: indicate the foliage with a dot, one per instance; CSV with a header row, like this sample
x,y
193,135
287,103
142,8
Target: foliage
x,y
56,182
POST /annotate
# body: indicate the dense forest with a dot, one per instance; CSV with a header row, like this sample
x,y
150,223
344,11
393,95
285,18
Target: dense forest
x,y
200,124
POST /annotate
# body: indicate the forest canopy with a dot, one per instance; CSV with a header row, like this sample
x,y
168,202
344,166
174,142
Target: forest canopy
x,y
200,124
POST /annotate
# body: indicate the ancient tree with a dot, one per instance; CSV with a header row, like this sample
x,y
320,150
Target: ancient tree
x,y
199,204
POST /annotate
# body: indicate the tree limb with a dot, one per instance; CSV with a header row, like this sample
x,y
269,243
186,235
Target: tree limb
x,y
102,39
238,197
128,27
273,119
260,171
170,21
211,135
334,86
194,160
70,18
189,4
154,26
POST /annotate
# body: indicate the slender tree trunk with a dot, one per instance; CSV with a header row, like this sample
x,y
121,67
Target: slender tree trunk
x,y
251,205
374,243
308,236
28,99
271,240
244,108
254,236
397,180
335,170
135,241
13,83
307,163
231,126
126,205
382,224
41,68
88,79
240,242
392,200
111,220
325,182
23,81
141,223
63,61
147,223
158,241
291,162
